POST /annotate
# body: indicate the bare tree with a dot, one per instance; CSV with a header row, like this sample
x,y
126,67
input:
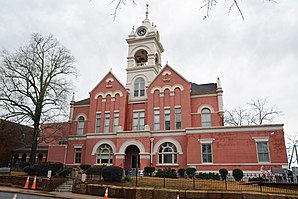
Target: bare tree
x,y
261,112
35,83
208,5
237,117
292,148
258,112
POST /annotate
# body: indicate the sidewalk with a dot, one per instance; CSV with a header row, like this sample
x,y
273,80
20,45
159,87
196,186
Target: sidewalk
x,y
67,195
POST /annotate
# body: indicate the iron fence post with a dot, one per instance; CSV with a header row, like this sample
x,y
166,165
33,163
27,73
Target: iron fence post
x,y
260,183
193,182
225,180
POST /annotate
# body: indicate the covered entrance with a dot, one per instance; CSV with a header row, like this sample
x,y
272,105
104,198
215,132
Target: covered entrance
x,y
132,159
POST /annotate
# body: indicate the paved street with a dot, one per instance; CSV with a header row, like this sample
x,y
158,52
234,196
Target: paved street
x,y
7,195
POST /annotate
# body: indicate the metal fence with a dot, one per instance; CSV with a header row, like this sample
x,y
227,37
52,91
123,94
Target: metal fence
x,y
215,185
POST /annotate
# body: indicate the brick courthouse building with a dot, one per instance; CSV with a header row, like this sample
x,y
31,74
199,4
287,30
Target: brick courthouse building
x,y
160,119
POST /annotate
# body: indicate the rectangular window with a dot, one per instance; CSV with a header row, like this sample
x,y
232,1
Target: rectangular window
x,y
77,155
98,120
178,118
138,120
116,121
263,153
156,120
167,119
107,122
207,153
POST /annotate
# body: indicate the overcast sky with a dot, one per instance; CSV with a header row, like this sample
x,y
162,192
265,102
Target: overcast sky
x,y
255,58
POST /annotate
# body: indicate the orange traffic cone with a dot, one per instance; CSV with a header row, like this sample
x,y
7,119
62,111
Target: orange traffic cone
x,y
34,183
27,183
106,194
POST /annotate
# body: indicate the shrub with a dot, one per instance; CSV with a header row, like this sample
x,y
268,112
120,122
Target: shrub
x,y
96,170
148,171
181,172
237,174
223,173
41,169
112,174
127,178
190,171
212,176
64,173
85,167
166,173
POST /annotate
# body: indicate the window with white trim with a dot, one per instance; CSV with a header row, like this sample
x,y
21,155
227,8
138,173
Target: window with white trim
x,y
263,152
98,120
107,122
77,155
207,153
167,119
139,87
206,117
80,128
116,121
167,153
178,118
138,121
104,154
156,120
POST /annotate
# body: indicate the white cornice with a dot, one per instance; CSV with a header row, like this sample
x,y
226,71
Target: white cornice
x,y
204,95
133,134
236,164
101,135
234,129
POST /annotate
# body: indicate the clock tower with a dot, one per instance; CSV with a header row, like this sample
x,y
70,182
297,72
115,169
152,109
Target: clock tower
x,y
143,60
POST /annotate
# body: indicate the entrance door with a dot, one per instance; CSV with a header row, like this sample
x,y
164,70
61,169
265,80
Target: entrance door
x,y
132,158
135,161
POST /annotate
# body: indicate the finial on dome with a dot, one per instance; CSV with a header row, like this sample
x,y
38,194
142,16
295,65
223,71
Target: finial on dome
x,y
147,12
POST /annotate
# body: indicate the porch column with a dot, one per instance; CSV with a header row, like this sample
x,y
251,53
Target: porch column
x,y
144,160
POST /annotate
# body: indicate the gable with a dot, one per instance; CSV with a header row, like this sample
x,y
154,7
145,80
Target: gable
x,y
168,78
109,85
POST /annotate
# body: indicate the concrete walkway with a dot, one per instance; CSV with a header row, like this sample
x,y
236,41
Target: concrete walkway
x,y
67,195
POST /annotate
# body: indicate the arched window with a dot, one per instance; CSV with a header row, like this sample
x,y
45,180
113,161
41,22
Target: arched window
x,y
104,154
167,153
139,87
141,57
81,122
206,117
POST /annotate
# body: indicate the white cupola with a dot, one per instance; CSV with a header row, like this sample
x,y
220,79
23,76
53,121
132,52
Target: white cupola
x,y
144,58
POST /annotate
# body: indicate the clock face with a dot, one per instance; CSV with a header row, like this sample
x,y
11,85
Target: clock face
x,y
141,31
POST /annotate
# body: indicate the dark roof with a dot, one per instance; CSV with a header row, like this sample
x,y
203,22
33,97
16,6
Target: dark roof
x,y
27,149
83,102
199,89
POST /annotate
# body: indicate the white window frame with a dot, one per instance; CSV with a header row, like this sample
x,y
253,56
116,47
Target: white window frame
x,y
139,87
137,119
206,120
116,121
99,154
162,154
178,116
75,153
97,122
167,118
107,122
208,141
262,140
80,125
156,119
